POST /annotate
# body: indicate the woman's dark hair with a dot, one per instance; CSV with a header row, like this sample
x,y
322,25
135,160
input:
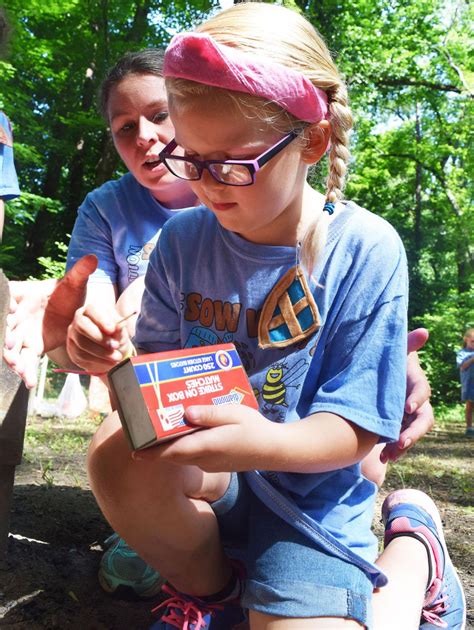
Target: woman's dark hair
x,y
148,61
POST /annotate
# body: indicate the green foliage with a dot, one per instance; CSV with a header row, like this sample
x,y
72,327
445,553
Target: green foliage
x,y
59,53
54,268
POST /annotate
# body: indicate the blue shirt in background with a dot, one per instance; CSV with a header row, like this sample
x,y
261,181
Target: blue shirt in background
x,y
466,376
120,223
9,188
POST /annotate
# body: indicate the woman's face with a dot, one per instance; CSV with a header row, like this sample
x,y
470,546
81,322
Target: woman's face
x,y
141,127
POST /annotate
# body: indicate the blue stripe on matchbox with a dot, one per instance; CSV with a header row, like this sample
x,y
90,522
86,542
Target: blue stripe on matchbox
x,y
185,366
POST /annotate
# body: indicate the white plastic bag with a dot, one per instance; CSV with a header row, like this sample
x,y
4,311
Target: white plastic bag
x,y
72,401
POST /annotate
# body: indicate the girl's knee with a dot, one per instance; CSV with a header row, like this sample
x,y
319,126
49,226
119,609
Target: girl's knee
x,y
372,468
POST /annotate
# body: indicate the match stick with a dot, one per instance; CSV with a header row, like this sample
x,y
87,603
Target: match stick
x,y
124,319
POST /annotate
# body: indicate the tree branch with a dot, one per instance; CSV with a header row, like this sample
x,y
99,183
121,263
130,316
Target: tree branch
x,y
457,70
440,87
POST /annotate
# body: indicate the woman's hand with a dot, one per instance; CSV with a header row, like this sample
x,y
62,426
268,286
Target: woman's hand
x,y
40,313
418,418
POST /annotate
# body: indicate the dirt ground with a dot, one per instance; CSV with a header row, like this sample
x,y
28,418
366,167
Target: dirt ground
x,y
48,579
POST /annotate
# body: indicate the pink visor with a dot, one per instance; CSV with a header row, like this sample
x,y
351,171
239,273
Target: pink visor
x,y
197,57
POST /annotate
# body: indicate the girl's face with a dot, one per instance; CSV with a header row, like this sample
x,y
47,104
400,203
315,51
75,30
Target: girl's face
x,y
270,210
469,341
141,127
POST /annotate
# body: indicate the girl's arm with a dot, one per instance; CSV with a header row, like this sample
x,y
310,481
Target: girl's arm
x,y
467,363
242,439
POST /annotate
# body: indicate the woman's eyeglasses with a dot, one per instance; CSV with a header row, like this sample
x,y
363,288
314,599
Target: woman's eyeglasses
x,y
229,172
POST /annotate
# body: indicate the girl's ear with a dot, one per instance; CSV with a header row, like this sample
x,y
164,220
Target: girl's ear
x,y
317,141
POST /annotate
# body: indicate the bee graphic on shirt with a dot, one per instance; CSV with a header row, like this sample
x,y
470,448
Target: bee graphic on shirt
x,y
277,381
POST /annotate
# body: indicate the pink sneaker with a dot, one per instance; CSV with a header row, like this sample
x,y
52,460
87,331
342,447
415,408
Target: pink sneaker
x,y
413,513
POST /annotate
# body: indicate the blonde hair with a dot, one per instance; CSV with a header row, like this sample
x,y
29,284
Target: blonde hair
x,y
289,39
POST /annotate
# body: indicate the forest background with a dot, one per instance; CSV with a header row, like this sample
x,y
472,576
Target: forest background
x,y
409,67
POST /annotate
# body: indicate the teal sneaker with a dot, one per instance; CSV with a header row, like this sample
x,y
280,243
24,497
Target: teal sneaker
x,y
413,513
125,574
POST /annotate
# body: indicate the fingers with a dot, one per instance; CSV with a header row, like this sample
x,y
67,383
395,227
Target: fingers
x,y
417,339
96,341
79,274
23,362
418,387
414,427
214,416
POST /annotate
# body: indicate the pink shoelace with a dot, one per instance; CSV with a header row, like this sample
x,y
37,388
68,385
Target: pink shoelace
x,y
432,613
183,612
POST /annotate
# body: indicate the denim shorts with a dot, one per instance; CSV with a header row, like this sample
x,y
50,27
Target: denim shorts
x,y
287,574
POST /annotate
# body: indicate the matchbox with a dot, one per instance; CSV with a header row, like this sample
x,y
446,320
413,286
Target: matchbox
x,y
152,391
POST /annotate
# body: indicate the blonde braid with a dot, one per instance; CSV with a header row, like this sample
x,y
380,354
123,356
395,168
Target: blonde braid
x,y
340,117
341,120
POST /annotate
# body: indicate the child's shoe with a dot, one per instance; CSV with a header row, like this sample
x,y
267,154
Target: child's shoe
x,y
470,432
190,613
413,513
124,573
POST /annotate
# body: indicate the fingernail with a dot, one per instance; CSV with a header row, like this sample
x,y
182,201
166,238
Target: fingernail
x,y
137,456
192,414
112,343
407,443
412,407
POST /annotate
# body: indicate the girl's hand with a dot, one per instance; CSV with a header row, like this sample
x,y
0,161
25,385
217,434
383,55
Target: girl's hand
x,y
97,339
235,438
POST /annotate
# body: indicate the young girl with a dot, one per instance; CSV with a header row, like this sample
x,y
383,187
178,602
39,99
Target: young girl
x,y
314,290
120,222
465,363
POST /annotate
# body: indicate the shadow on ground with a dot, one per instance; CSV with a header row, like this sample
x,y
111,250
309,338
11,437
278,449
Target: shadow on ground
x,y
50,581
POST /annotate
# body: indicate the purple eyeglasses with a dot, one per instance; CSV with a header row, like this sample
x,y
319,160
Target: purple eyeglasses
x,y
229,172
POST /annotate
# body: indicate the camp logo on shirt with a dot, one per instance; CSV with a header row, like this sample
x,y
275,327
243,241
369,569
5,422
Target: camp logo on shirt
x,y
136,255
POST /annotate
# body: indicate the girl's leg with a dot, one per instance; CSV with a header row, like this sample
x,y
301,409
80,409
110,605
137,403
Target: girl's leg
x,y
468,414
259,621
405,562
161,510
293,583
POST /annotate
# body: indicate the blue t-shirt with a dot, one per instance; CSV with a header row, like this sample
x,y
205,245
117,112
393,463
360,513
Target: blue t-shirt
x,y
467,376
9,188
207,285
120,223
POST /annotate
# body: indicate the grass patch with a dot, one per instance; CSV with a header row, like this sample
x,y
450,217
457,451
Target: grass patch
x,y
61,435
